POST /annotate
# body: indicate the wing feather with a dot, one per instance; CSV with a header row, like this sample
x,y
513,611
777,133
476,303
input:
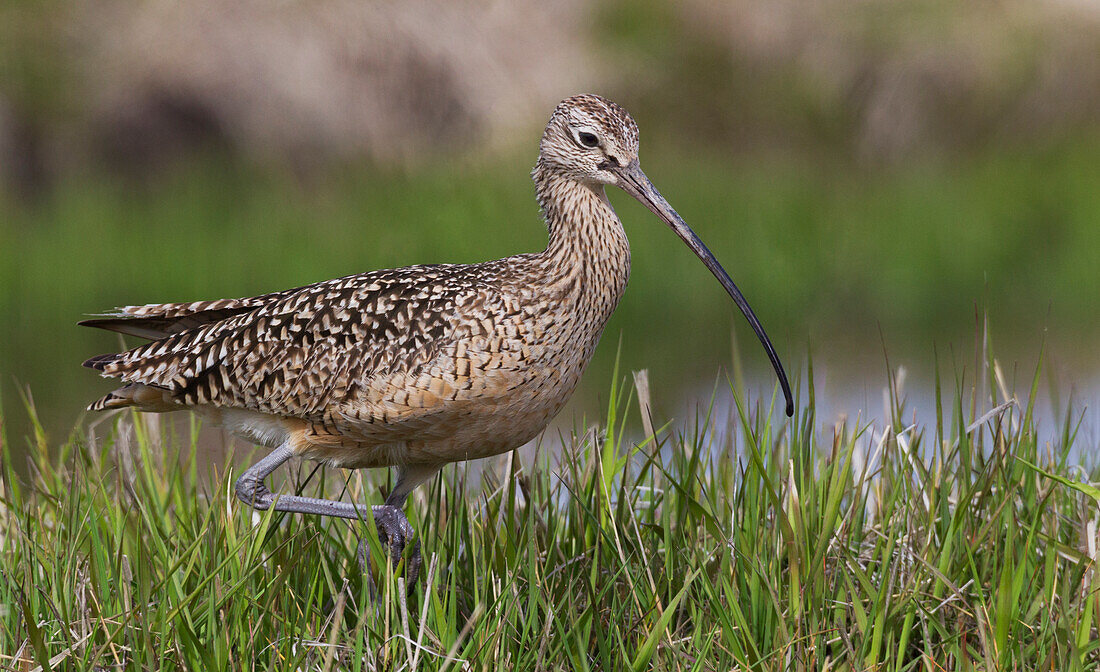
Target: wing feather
x,y
303,352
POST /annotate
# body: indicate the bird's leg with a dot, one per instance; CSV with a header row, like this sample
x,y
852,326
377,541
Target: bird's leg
x,y
252,490
393,526
389,518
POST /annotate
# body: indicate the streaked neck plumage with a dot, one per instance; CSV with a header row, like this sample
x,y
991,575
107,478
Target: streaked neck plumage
x,y
588,255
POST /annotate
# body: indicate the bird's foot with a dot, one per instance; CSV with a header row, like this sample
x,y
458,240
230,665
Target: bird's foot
x,y
395,532
254,492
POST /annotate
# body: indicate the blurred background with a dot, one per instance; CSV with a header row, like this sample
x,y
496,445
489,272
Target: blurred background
x,y
875,174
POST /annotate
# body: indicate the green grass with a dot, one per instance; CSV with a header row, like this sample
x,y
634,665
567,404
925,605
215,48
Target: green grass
x,y
877,546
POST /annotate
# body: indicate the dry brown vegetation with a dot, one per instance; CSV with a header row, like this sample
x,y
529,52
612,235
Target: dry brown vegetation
x,y
904,76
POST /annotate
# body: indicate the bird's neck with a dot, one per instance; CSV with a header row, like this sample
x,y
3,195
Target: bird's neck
x,y
588,247
583,271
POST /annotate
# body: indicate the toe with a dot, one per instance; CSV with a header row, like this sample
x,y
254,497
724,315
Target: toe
x,y
413,567
397,547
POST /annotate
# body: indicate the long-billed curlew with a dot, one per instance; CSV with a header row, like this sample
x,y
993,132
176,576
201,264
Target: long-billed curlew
x,y
414,367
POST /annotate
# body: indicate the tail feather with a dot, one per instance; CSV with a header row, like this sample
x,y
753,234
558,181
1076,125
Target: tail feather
x,y
145,397
154,328
100,362
155,322
109,401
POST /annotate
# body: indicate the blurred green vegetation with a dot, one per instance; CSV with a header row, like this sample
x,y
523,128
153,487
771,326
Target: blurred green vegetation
x,y
827,253
865,172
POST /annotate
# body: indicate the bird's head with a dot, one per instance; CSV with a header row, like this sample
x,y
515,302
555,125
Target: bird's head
x,y
593,141
588,138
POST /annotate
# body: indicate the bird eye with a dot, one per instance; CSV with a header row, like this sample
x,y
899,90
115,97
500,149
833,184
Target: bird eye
x,y
588,139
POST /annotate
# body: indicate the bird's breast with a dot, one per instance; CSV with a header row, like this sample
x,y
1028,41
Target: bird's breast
x,y
507,366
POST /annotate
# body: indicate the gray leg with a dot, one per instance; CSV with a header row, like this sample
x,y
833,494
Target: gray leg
x,y
388,518
252,490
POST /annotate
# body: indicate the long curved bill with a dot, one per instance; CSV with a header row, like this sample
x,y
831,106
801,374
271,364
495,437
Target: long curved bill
x,y
634,182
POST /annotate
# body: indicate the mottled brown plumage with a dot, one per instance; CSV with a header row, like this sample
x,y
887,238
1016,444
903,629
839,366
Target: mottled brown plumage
x,y
419,366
